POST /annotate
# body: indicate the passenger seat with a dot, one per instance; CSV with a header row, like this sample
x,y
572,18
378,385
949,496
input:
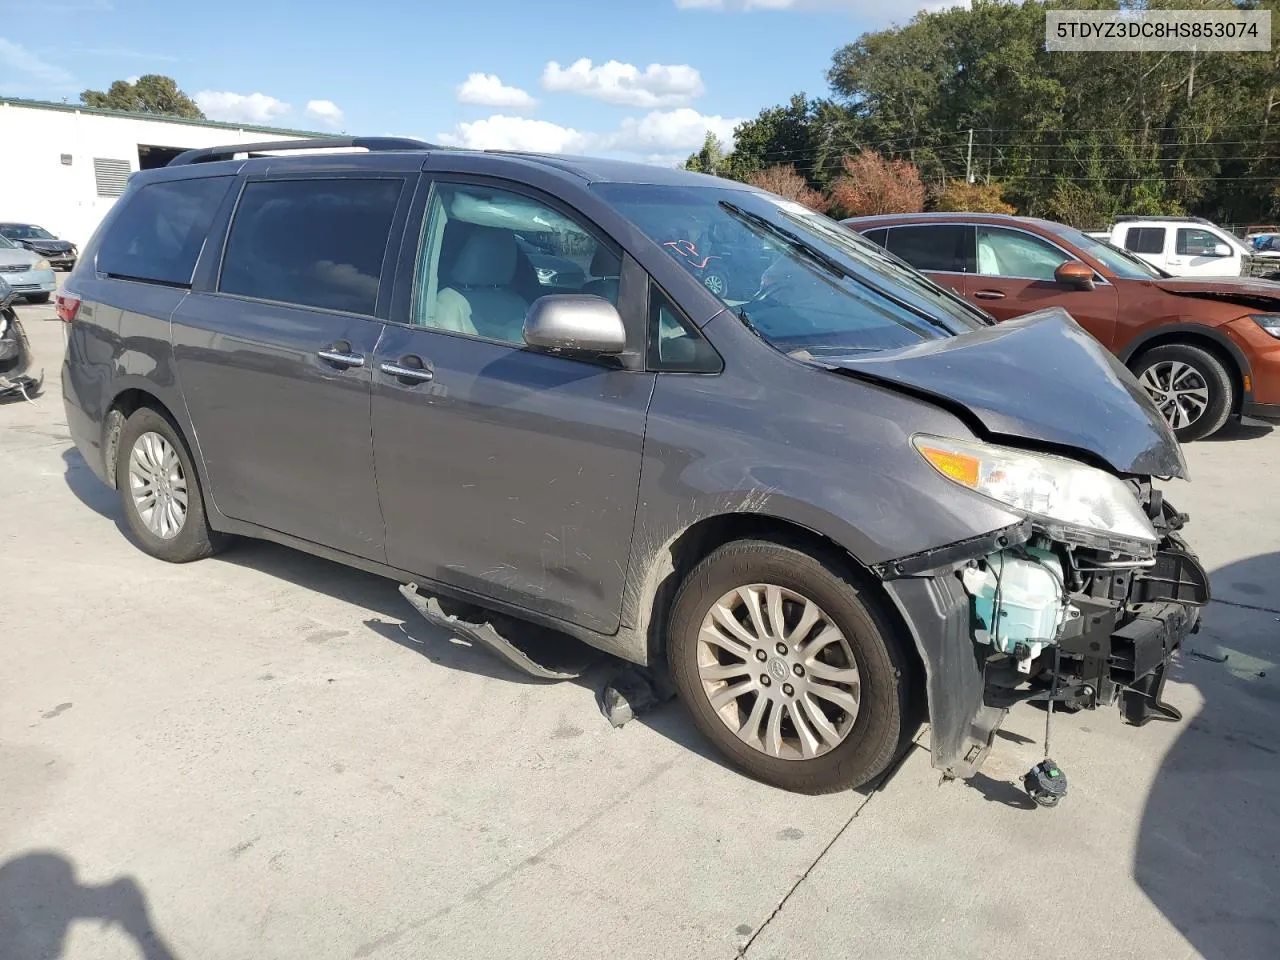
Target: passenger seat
x,y
479,299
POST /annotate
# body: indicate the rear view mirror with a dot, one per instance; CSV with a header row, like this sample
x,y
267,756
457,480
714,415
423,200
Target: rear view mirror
x,y
1221,250
576,322
1075,275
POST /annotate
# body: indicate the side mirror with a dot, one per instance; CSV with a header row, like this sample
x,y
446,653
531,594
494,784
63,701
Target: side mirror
x,y
1221,250
575,322
1075,275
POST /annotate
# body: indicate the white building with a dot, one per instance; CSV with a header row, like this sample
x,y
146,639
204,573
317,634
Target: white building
x,y
62,165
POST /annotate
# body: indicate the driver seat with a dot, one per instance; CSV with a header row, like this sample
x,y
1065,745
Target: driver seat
x,y
479,299
606,271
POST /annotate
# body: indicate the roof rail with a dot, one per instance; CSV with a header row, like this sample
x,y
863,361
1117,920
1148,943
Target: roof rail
x,y
1138,216
372,144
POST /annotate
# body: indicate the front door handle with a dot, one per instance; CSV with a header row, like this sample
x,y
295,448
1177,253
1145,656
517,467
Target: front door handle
x,y
408,367
989,295
340,355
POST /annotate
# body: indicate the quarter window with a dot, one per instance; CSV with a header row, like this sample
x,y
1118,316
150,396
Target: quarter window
x,y
1144,240
486,255
674,343
158,233
1011,253
876,236
311,243
930,246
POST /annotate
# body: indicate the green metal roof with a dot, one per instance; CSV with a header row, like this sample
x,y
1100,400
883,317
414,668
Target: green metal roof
x,y
156,117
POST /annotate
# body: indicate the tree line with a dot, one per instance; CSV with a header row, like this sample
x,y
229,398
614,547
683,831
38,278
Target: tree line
x,y
965,109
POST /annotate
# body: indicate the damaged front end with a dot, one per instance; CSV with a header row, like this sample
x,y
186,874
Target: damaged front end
x,y
16,361
1052,612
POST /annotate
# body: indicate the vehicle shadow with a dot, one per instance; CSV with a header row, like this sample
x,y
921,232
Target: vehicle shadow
x,y
91,491
1207,846
393,619
40,898
1236,430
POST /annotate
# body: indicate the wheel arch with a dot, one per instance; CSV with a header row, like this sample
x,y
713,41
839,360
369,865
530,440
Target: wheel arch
x,y
1207,339
125,402
652,594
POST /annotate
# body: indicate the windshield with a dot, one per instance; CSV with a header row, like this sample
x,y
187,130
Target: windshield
x,y
25,231
799,279
6,244
1120,262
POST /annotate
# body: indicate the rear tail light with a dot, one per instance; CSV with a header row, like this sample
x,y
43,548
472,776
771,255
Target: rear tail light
x,y
67,306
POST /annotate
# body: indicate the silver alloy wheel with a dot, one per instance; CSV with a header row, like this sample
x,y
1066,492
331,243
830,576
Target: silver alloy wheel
x,y
158,485
1181,392
715,283
778,672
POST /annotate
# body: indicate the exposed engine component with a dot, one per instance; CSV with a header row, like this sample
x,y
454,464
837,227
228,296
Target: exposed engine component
x,y
1020,601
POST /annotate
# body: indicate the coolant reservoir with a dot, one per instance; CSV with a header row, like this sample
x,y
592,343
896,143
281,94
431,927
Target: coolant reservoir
x,y
1019,599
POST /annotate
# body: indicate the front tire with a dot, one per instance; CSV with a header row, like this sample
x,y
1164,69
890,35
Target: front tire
x,y
160,491
38,298
790,667
1190,387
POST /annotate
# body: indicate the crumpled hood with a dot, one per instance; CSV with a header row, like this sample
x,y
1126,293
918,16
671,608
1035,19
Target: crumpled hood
x,y
48,246
1039,378
1240,290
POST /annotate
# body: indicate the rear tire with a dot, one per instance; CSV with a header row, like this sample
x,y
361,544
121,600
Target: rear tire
x,y
160,491
1189,385
845,746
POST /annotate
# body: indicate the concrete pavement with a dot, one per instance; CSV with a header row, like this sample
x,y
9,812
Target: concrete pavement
x,y
266,755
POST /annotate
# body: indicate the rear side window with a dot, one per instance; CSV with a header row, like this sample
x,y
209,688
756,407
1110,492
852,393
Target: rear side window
x,y
1144,240
932,246
158,234
311,243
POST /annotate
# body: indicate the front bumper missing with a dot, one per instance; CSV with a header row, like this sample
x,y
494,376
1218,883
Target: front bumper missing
x,y
1131,625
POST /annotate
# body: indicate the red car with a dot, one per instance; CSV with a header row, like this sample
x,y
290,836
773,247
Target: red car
x,y
1206,350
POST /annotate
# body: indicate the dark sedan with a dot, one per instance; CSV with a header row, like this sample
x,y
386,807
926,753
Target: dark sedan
x,y
61,254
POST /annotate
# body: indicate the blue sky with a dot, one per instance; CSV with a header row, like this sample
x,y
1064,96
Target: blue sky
x,y
636,78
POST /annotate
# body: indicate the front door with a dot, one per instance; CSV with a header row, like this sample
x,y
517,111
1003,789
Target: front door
x,y
275,364
507,472
1015,275
1195,254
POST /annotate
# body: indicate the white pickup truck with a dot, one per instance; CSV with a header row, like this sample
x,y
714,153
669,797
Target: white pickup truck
x,y
1187,247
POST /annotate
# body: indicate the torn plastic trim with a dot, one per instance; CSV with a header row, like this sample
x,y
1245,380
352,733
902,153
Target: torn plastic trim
x,y
961,724
482,633
954,555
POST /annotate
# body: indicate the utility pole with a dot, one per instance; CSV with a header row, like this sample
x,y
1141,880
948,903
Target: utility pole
x,y
968,163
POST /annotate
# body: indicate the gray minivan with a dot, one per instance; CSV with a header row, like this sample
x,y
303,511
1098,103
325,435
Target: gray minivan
x,y
834,504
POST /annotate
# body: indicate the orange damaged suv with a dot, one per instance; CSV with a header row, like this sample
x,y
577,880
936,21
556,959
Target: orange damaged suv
x,y
1205,349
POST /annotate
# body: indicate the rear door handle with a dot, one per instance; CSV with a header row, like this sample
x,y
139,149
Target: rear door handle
x,y
989,295
340,355
408,367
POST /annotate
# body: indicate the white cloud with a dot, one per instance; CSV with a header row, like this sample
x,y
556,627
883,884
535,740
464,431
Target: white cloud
x,y
486,90
240,107
664,131
21,60
326,112
662,136
515,133
658,85
133,79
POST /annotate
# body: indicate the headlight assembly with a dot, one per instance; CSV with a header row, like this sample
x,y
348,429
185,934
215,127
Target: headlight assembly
x,y
1064,497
